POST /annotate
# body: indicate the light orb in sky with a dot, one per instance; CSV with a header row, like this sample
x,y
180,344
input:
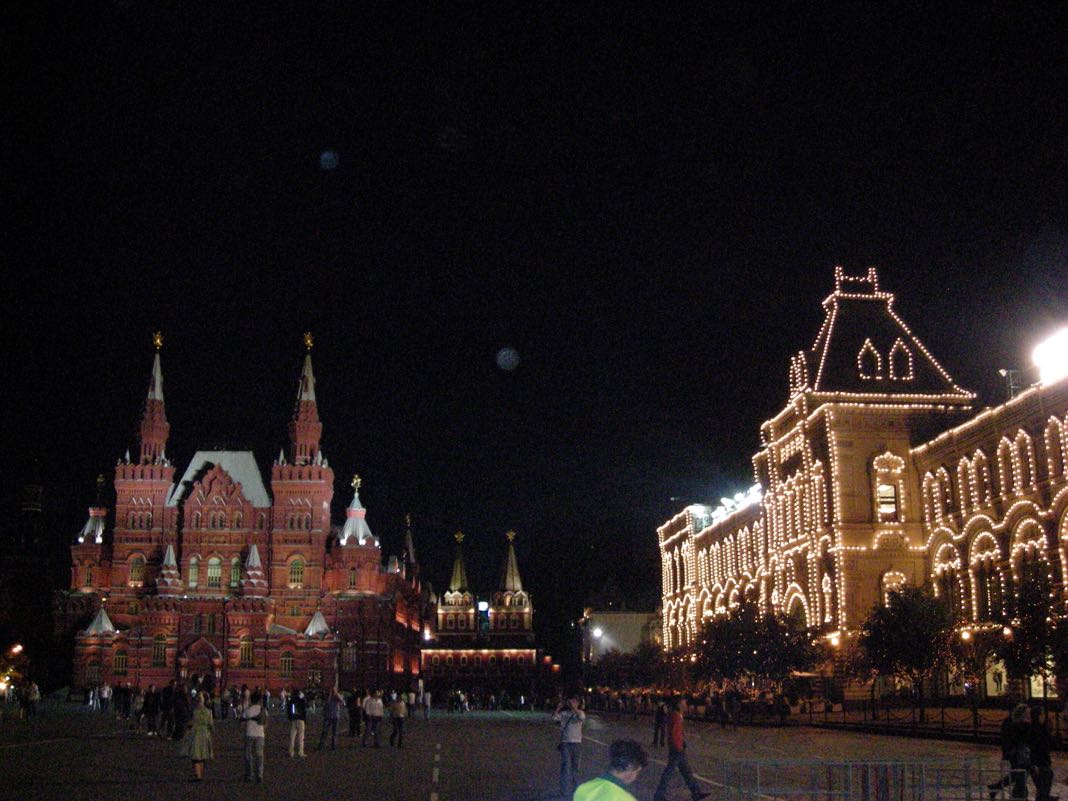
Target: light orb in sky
x,y
508,359
328,159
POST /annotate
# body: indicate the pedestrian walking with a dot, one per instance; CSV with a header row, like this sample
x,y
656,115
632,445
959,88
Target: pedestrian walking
x,y
411,703
254,721
1016,750
354,707
331,717
398,711
373,711
570,718
297,712
105,697
660,723
677,756
151,710
181,711
200,747
625,761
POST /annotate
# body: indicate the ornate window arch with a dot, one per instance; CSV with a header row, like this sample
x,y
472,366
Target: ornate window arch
x,y
869,362
214,580
296,571
947,579
137,570
193,572
245,653
988,583
159,651
901,368
892,581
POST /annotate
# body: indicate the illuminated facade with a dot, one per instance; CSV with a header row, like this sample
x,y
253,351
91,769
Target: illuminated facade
x,y
487,646
875,473
212,575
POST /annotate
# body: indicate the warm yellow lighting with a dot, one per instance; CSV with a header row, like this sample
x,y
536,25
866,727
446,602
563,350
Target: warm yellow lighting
x,y
16,649
157,339
965,635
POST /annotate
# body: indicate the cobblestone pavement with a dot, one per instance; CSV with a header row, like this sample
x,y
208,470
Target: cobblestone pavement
x,y
69,754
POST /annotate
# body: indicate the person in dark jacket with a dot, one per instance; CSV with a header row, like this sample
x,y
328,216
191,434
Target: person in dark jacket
x,y
659,722
1016,750
166,709
151,710
1041,763
355,713
182,711
297,712
331,716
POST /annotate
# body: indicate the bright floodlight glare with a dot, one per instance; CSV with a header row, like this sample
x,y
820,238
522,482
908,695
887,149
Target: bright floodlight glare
x,y
598,632
483,606
1051,357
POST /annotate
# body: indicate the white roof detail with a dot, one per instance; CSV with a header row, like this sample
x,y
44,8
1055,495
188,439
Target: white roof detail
x,y
101,624
253,562
127,456
93,530
168,558
155,388
356,528
239,465
279,629
281,456
307,381
317,626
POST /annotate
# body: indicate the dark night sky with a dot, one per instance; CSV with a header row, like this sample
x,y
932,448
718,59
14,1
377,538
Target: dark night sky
x,y
648,206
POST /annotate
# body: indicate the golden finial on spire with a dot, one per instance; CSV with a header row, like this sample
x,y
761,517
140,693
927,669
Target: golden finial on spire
x,y
458,536
157,339
99,487
356,482
309,340
510,535
408,520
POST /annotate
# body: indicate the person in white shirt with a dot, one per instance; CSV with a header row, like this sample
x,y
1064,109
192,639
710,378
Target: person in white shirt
x,y
570,717
254,723
373,709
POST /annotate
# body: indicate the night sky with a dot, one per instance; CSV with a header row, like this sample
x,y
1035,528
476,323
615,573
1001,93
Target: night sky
x,y
648,206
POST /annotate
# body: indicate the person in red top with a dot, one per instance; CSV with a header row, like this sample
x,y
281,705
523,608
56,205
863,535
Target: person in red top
x,y
677,756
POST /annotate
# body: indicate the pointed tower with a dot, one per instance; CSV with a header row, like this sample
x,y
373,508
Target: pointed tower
x,y
169,581
456,612
411,565
101,624
141,490
511,611
302,488
305,430
356,531
154,426
253,580
88,551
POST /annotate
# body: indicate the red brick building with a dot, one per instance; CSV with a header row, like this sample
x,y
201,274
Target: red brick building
x,y
213,575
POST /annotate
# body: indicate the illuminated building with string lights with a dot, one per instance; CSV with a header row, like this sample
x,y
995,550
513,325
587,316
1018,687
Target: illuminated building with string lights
x,y
211,575
878,471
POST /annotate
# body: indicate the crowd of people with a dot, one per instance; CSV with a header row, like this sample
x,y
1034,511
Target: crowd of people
x,y
1026,744
20,699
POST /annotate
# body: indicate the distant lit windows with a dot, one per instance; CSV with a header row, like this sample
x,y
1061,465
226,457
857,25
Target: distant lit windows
x,y
214,573
194,572
887,501
296,572
159,651
137,571
118,664
246,651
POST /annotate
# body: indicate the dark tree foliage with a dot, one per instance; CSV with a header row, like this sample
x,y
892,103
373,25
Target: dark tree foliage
x,y
1029,645
642,667
909,638
745,645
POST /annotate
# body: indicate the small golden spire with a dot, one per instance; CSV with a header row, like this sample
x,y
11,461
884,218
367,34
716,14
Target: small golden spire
x,y
309,340
157,339
356,482
510,535
408,520
99,487
458,536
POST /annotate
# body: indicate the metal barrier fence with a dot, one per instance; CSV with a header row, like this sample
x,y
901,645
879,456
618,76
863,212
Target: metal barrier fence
x,y
968,780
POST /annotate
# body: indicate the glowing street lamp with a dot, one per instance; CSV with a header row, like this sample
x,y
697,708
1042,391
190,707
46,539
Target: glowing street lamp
x,y
1051,357
598,633
16,649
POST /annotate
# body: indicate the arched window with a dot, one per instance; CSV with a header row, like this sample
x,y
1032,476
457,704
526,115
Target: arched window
x,y
194,572
235,573
118,663
296,572
88,580
198,623
246,651
285,664
214,573
211,624
137,571
352,578
159,651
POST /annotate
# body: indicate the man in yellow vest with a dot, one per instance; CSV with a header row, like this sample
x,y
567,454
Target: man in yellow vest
x,y
626,760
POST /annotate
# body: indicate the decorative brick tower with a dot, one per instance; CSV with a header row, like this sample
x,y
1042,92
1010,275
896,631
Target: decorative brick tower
x,y
141,512
302,488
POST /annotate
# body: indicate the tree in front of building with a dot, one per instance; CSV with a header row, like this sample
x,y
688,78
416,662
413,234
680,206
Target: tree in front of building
x,y
909,638
1028,640
745,645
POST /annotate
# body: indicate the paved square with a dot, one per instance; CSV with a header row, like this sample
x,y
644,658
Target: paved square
x,y
69,755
